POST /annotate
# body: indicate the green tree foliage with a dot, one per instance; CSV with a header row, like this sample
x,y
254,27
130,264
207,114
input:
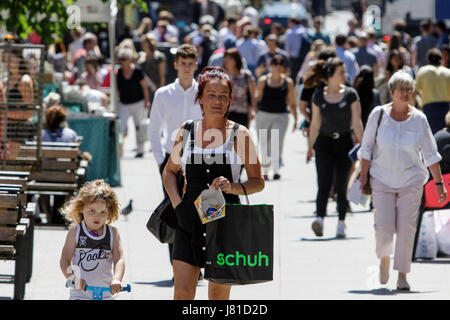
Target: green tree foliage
x,y
47,17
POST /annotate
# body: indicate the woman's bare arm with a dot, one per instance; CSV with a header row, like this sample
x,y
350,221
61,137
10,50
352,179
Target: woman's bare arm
x,y
67,253
119,262
357,125
171,170
246,150
162,73
313,130
292,101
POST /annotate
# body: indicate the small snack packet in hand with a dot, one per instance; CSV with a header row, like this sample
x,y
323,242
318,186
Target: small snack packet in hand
x,y
210,205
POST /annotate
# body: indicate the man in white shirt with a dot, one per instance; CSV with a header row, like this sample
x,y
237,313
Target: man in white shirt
x,y
172,106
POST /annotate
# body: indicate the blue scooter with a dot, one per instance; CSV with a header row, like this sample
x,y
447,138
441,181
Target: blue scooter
x,y
97,292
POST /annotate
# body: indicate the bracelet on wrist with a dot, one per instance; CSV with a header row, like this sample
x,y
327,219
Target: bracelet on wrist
x,y
441,183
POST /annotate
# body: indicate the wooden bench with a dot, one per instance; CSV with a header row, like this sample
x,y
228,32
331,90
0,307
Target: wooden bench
x,y
16,235
61,170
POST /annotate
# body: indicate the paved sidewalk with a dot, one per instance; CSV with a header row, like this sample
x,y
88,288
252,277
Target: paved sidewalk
x,y
305,267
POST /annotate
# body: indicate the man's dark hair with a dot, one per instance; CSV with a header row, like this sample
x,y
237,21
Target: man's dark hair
x,y
326,53
341,40
399,25
186,51
425,25
232,20
434,57
318,19
446,47
295,20
277,25
441,25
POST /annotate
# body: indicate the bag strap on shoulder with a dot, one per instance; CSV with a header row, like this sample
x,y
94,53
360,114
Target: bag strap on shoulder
x,y
376,132
230,144
187,129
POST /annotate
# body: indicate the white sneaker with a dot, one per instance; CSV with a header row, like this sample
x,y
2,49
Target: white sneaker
x,y
317,227
402,284
340,232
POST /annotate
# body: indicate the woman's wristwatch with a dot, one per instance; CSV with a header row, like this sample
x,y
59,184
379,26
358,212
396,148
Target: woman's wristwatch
x,y
441,183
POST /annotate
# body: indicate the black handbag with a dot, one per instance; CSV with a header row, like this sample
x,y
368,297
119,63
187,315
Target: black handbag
x,y
239,247
163,221
158,227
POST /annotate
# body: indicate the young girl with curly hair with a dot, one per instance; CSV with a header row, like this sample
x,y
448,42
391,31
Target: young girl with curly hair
x,y
92,254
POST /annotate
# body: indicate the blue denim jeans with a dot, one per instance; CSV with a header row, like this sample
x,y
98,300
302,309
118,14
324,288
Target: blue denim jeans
x,y
435,113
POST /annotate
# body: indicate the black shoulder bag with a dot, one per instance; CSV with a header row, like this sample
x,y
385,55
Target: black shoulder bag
x,y
163,221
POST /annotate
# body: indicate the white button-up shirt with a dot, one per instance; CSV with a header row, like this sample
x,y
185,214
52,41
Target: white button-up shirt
x,y
171,107
403,149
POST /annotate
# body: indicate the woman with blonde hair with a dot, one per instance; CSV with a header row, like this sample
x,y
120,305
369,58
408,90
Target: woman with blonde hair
x,y
134,99
128,43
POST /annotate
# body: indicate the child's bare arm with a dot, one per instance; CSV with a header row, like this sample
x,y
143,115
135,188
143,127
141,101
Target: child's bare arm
x,y
67,253
119,263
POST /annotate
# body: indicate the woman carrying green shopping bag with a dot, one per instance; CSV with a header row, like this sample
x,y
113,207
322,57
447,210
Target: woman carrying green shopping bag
x,y
214,154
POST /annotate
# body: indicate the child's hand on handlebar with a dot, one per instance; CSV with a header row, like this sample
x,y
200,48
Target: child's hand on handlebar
x,y
116,285
80,284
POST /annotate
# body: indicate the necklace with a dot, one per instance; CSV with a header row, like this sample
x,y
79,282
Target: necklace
x,y
94,233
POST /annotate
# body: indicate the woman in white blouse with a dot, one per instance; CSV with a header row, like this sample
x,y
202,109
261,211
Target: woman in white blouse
x,y
398,151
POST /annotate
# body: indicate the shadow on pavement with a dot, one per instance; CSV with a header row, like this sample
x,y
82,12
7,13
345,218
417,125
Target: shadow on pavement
x,y
386,292
330,239
162,284
306,201
329,215
438,260
50,226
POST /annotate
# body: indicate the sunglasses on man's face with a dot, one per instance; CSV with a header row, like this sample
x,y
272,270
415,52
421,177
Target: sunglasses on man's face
x,y
277,63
